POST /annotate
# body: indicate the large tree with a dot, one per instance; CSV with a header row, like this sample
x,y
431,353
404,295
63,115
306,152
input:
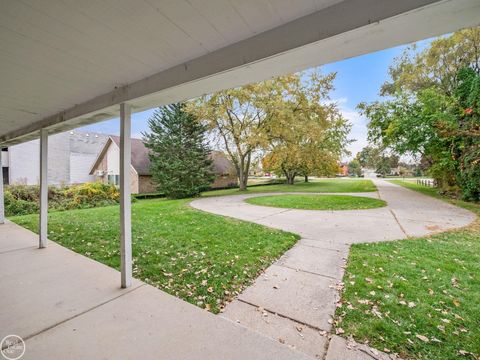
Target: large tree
x,y
179,156
377,158
434,66
354,168
309,134
430,111
237,119
275,115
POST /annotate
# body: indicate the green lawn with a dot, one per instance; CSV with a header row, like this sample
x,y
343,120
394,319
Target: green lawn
x,y
321,185
202,258
317,202
418,297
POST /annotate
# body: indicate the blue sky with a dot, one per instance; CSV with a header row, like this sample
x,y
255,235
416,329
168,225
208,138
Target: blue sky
x,y
358,79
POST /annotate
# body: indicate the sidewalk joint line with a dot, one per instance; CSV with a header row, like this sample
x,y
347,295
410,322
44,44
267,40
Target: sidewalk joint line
x,y
398,222
283,316
13,250
309,272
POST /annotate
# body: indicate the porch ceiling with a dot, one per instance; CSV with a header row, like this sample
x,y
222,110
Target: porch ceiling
x,y
64,63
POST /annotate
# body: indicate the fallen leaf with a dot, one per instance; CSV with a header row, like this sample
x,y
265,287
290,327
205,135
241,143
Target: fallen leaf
x,y
339,331
422,337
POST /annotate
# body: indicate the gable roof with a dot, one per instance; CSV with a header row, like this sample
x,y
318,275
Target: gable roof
x,y
141,162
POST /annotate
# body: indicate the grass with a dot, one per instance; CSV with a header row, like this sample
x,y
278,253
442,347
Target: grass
x,y
321,185
202,258
317,202
419,297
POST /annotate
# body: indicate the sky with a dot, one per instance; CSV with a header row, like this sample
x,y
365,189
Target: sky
x,y
358,79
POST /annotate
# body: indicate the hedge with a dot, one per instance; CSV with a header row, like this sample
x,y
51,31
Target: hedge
x,y
25,199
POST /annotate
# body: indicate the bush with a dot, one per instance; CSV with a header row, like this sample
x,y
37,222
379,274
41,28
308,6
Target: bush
x,y
14,206
24,199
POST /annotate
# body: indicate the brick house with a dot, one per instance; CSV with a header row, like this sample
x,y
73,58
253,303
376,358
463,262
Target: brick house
x,y
106,167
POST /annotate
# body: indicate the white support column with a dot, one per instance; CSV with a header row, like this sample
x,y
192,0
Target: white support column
x,y
125,198
2,204
43,224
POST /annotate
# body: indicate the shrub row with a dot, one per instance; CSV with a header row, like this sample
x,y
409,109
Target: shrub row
x,y
25,199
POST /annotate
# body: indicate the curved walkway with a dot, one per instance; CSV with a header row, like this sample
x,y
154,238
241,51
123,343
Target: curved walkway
x,y
294,300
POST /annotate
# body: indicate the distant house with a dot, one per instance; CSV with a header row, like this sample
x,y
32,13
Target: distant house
x,y
369,173
70,156
342,169
106,167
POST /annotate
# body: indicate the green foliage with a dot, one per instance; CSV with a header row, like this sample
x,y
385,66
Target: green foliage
x,y
25,199
467,134
286,117
354,168
307,134
436,66
432,112
376,158
18,206
179,157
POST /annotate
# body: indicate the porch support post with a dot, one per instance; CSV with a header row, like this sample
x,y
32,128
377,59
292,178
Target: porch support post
x,y
125,198
43,223
2,204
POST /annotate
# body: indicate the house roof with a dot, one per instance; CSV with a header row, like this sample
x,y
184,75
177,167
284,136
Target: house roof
x,y
141,162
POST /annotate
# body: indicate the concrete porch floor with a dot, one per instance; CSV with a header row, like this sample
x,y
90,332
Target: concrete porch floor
x,y
66,306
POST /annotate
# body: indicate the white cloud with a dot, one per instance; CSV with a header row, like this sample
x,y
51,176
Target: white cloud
x,y
358,132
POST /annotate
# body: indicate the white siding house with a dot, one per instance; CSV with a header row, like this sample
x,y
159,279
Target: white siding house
x,y
70,156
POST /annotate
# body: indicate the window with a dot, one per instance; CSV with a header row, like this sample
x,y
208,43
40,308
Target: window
x,y
5,175
114,179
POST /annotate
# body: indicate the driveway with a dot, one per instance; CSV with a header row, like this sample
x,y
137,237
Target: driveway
x,y
294,300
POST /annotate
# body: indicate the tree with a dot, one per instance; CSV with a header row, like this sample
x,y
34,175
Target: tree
x,y
466,132
179,156
437,66
383,166
431,112
376,158
354,168
369,157
275,114
307,134
238,118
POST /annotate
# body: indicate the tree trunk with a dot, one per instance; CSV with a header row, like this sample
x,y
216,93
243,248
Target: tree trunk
x,y
306,178
290,177
242,184
242,172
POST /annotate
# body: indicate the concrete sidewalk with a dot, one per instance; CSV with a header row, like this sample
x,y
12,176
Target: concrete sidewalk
x,y
295,299
66,306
